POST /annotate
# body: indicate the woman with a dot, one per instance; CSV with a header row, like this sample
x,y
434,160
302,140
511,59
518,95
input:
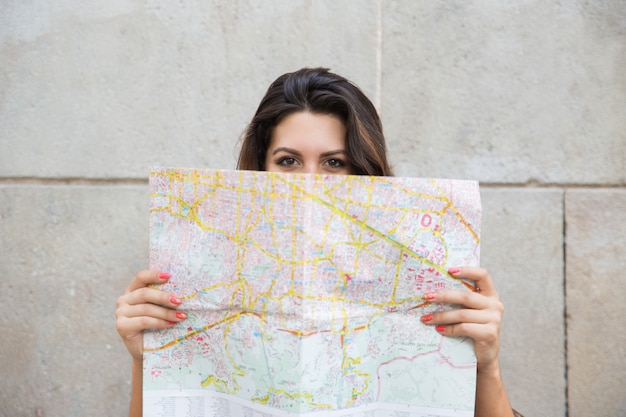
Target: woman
x,y
314,121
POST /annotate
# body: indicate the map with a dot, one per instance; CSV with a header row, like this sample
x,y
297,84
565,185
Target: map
x,y
304,294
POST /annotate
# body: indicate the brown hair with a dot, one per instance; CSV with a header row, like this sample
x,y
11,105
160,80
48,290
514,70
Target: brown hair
x,y
319,91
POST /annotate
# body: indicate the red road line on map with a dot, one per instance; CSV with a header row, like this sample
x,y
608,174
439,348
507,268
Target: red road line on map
x,y
470,286
424,304
303,334
202,330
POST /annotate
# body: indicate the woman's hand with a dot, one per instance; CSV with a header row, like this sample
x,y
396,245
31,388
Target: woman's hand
x,y
479,317
142,308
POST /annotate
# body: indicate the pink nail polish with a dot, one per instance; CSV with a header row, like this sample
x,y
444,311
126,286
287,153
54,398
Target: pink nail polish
x,y
426,318
175,300
181,315
440,328
164,275
430,295
453,271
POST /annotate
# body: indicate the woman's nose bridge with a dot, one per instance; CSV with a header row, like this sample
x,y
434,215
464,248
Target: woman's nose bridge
x,y
310,167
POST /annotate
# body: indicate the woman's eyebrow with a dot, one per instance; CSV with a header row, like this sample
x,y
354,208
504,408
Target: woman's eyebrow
x,y
288,150
298,153
329,153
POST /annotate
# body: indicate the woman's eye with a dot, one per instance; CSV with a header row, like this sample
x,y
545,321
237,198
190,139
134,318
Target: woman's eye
x,y
335,163
287,161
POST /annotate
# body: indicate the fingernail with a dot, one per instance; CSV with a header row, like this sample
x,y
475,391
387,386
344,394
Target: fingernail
x,y
430,295
164,275
175,300
181,315
453,271
171,323
440,328
426,318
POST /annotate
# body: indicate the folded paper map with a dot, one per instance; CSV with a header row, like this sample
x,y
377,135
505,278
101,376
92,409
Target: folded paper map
x,y
304,294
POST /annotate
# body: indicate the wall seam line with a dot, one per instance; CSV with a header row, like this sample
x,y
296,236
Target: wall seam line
x,y
379,56
144,181
565,319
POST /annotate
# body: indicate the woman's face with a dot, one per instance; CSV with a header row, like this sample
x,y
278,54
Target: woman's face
x,y
308,143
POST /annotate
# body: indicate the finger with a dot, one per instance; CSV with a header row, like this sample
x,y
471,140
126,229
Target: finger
x,y
464,298
147,277
148,295
130,327
152,311
486,337
481,333
459,330
480,276
461,316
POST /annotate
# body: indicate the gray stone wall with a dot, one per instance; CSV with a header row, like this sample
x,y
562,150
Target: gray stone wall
x,y
529,97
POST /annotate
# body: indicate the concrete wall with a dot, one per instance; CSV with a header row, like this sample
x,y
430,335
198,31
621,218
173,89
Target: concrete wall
x,y
529,97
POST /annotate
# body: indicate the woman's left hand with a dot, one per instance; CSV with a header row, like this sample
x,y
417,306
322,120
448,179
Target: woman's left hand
x,y
479,316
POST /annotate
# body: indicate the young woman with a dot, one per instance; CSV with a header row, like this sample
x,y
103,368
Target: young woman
x,y
314,121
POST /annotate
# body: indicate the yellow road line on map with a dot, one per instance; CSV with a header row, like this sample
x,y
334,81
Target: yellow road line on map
x,y
376,232
343,215
456,212
201,330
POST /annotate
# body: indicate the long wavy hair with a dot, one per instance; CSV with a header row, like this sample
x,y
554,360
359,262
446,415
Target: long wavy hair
x,y
319,91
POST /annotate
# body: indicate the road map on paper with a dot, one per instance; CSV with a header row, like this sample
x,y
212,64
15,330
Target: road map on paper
x,y
304,294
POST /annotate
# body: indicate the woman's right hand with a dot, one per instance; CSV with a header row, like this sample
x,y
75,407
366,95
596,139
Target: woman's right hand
x,y
141,308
